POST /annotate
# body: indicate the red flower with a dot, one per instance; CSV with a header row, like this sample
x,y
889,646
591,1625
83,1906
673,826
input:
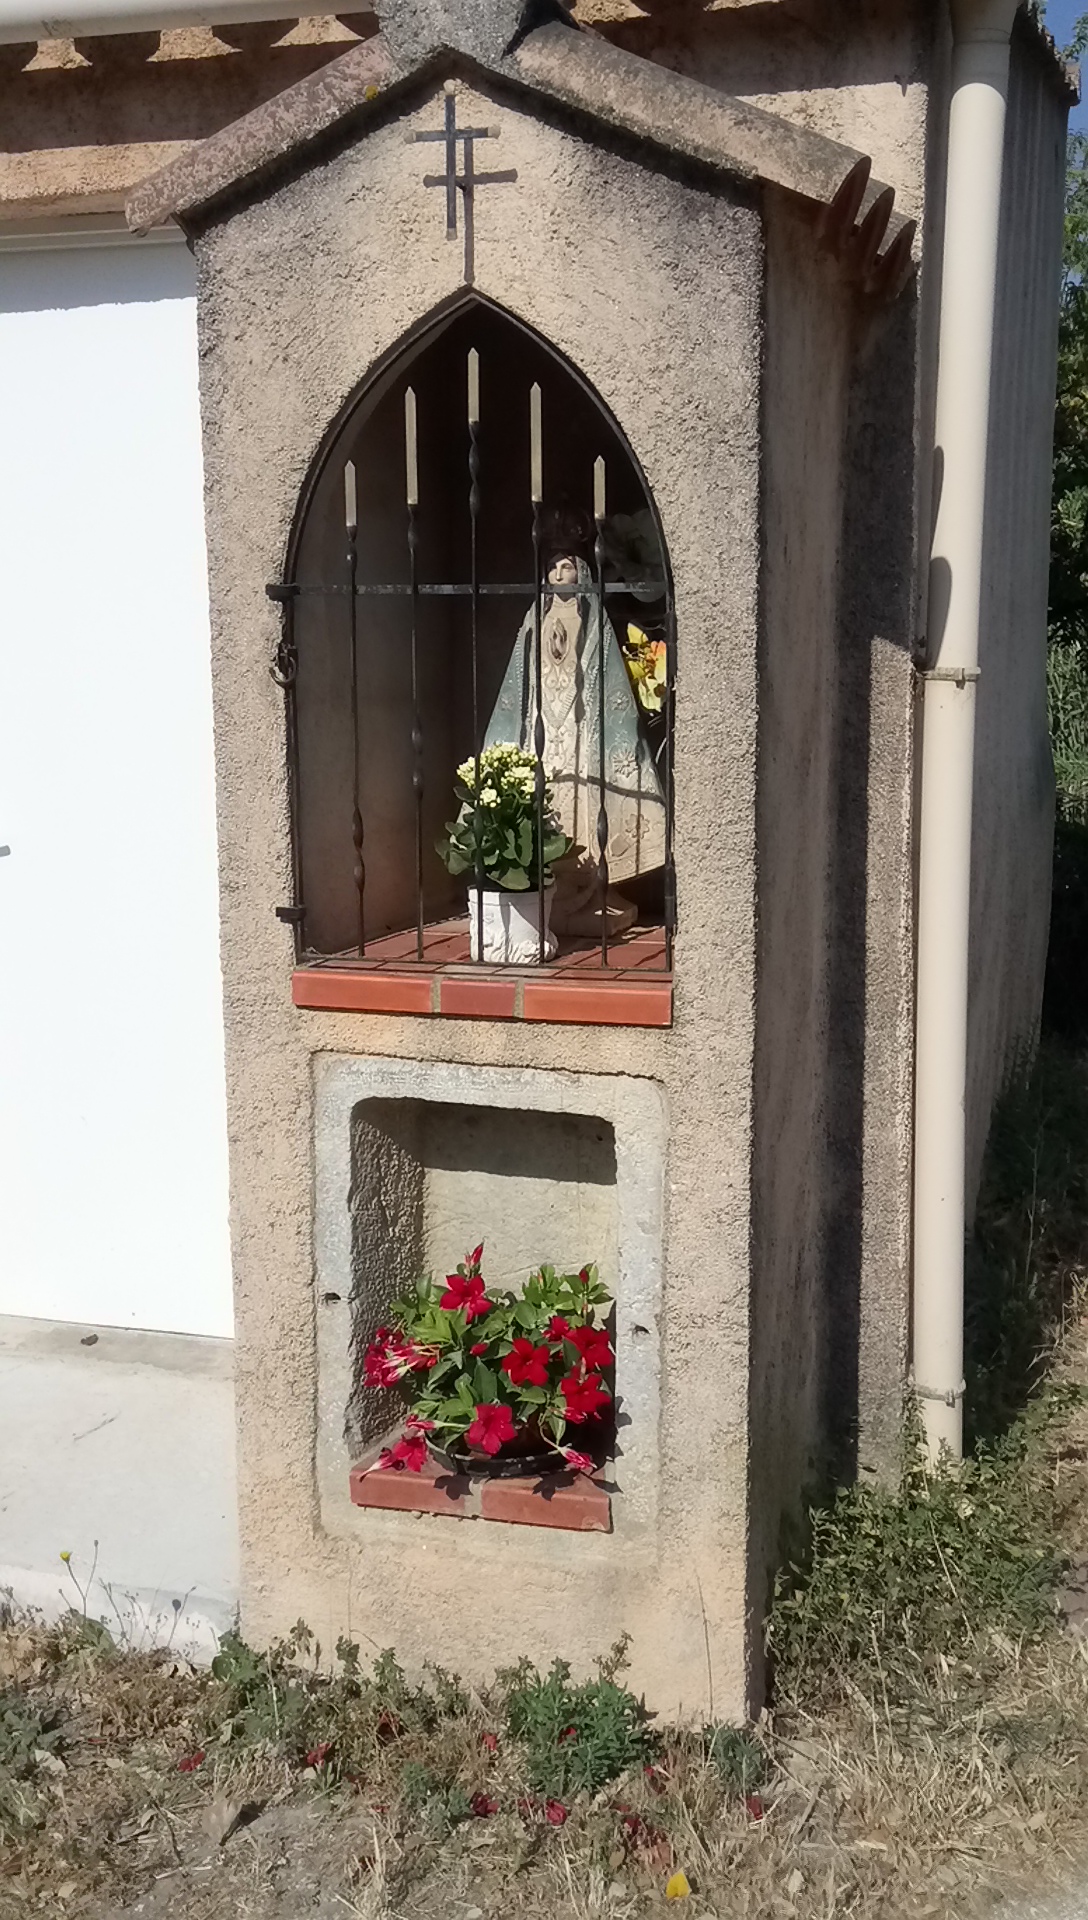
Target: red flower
x,y
467,1292
482,1804
418,1359
594,1346
191,1762
490,1742
558,1328
555,1811
479,1348
584,1277
584,1398
317,1756
527,1365
577,1462
381,1365
493,1425
410,1451
475,1257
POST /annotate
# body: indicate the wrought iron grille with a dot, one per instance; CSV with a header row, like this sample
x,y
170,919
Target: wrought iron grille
x,y
376,646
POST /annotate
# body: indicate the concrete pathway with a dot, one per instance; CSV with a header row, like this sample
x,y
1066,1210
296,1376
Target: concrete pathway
x,y
125,1439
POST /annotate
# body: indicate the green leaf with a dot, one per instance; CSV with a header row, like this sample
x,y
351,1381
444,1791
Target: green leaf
x,y
486,1383
451,1410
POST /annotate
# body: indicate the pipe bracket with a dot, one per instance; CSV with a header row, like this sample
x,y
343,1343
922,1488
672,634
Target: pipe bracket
x,y
960,676
948,1396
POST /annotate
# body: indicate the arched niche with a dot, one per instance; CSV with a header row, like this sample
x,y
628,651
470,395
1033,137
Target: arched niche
x,y
337,742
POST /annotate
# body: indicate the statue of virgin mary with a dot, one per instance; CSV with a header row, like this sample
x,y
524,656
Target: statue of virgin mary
x,y
577,647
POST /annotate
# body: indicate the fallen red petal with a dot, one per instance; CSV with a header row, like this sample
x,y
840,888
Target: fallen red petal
x,y
754,1804
191,1762
482,1805
555,1812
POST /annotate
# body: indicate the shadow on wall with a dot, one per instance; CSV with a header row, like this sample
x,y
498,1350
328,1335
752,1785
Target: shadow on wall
x,y
765,49
128,90
1065,999
132,272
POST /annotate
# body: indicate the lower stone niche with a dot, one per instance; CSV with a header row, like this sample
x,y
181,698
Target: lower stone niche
x,y
430,1180
407,1184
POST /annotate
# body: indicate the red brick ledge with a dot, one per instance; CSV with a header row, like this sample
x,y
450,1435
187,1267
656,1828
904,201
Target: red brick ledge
x,y
578,1503
621,1002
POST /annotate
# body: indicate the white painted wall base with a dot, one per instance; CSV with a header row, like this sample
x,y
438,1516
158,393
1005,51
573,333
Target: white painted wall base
x,y
127,1443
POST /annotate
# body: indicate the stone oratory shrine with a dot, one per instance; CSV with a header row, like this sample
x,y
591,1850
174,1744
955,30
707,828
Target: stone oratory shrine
x,y
567,388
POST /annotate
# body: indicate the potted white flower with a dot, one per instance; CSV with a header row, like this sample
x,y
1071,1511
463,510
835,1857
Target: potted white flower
x,y
495,837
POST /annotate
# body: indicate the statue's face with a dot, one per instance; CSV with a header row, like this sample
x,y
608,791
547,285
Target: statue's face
x,y
563,571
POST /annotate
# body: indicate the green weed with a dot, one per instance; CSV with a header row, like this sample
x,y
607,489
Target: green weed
x,y
575,1738
26,1732
740,1761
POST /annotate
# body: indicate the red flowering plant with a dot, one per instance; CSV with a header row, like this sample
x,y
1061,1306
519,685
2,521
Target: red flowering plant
x,y
490,1371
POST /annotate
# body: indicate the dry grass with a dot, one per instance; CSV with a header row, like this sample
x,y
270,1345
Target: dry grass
x,y
859,1815
926,1749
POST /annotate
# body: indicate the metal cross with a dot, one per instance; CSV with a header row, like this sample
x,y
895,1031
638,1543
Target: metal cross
x,y
466,181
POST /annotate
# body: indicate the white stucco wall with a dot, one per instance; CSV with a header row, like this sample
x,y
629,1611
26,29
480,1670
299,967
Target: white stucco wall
x,y
113,1203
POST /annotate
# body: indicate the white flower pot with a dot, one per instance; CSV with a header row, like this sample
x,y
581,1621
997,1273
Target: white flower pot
x,y
511,927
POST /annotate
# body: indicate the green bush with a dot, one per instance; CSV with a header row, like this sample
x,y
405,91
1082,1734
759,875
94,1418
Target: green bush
x,y
904,1581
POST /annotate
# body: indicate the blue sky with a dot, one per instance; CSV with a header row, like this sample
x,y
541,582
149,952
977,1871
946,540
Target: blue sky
x,y
1061,17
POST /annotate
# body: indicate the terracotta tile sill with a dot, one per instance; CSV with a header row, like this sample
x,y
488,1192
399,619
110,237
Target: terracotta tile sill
x,y
622,1000
576,1503
634,990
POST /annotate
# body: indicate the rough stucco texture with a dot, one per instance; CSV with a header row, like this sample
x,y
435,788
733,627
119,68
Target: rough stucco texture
x,y
625,270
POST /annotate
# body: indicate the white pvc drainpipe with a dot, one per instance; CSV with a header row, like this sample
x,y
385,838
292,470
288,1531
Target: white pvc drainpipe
x,y
980,74
84,18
